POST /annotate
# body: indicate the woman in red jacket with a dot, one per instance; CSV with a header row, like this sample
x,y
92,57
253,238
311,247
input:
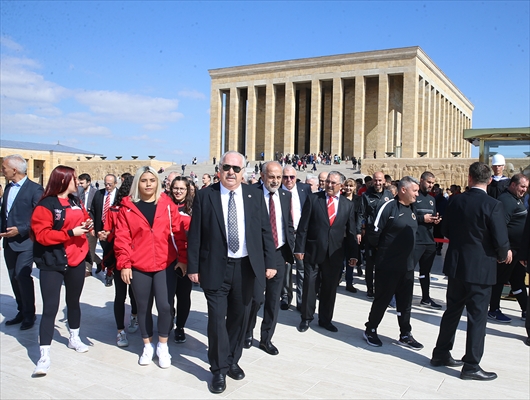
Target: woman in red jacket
x,y
59,225
109,261
181,194
149,235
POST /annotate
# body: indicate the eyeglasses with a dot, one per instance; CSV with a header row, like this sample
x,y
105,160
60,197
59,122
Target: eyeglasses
x,y
177,189
292,177
109,184
226,168
332,183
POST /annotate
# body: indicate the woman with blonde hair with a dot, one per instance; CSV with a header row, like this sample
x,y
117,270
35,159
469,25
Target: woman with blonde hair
x,y
150,235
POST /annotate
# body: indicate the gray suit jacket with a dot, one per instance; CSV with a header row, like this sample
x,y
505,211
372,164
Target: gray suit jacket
x,y
88,199
20,214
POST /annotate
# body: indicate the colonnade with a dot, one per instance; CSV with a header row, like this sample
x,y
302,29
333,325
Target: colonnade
x,y
395,111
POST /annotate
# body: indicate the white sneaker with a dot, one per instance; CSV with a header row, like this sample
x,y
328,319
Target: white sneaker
x,y
147,355
164,358
133,325
121,339
75,343
43,365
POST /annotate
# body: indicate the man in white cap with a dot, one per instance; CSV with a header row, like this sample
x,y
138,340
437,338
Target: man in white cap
x,y
499,182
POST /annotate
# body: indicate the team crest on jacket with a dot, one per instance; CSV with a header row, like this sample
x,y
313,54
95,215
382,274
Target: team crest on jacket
x,y
386,199
413,216
57,214
431,203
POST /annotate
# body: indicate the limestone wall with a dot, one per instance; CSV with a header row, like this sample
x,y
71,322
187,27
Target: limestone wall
x,y
447,171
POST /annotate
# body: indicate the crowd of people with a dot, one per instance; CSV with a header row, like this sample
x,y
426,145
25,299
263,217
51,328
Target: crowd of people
x,y
264,240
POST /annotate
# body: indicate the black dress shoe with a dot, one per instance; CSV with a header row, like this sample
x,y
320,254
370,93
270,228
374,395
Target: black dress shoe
x,y
17,320
479,375
27,324
446,362
329,326
218,384
235,372
284,305
269,348
247,344
351,288
304,326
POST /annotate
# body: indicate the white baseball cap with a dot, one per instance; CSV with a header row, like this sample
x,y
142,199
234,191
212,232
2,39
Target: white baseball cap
x,y
498,159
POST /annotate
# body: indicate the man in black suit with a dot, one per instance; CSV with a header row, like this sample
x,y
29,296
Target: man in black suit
x,y
278,203
326,219
102,201
478,238
20,198
230,245
86,192
300,192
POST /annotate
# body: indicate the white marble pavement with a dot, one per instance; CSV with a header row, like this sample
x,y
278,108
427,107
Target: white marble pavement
x,y
314,364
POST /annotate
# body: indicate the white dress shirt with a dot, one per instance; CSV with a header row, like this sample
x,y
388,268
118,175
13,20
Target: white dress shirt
x,y
278,212
296,206
240,207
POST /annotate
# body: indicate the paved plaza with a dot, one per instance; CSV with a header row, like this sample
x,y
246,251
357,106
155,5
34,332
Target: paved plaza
x,y
314,364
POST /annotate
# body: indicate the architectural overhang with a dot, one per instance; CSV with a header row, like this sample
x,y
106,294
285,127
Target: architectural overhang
x,y
497,134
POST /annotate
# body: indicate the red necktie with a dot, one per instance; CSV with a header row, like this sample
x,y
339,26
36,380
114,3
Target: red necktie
x,y
106,207
272,216
331,210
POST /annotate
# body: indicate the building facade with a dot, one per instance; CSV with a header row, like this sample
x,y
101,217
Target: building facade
x,y
388,103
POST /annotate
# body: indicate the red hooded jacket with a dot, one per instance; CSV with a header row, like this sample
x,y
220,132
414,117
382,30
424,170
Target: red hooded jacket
x,y
146,248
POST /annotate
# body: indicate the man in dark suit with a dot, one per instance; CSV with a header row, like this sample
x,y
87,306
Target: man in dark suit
x,y
20,198
300,192
86,192
102,201
478,238
278,203
230,245
326,219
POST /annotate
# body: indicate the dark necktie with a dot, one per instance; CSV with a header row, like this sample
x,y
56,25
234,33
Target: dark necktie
x,y
233,237
272,216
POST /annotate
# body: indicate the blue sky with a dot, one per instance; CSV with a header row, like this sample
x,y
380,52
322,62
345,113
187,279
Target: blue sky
x,y
131,78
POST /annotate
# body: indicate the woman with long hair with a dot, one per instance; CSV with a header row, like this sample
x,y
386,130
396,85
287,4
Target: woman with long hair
x,y
150,235
109,261
59,224
348,189
182,195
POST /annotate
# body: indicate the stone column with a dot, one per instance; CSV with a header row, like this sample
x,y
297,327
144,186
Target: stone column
x,y
410,115
233,117
428,121
251,124
316,116
421,115
216,120
382,117
438,135
289,122
337,117
358,126
270,103
443,132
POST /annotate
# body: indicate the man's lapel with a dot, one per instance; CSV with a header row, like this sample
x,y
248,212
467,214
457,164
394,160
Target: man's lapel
x,y
215,200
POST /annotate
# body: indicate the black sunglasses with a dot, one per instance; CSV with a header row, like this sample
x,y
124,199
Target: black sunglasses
x,y
226,167
291,177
